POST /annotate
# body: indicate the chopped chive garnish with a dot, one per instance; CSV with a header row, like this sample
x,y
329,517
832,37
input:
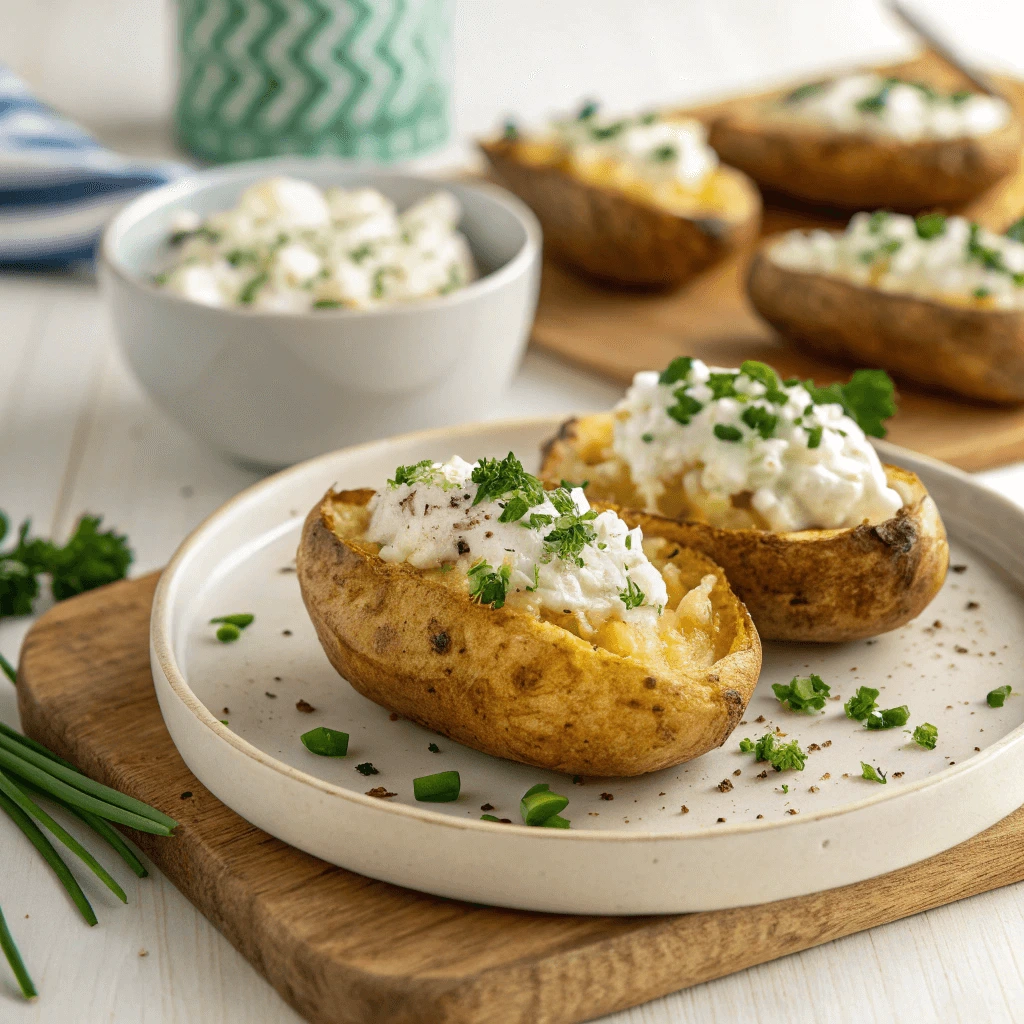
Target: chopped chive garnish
x,y
556,821
248,294
328,304
489,817
326,742
891,718
725,432
997,698
8,670
440,788
241,621
539,803
227,633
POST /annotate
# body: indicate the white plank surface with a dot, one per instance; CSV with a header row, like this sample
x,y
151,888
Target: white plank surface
x,y
77,434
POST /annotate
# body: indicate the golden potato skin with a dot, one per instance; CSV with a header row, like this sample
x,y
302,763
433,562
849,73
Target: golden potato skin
x,y
504,682
619,238
857,172
966,351
811,585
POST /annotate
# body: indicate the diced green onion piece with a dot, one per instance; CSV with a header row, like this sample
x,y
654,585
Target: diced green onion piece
x,y
441,788
241,621
228,633
10,951
538,804
326,742
489,817
997,698
556,821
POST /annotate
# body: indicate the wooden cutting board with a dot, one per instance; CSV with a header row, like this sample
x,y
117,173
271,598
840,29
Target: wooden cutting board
x,y
617,332
343,949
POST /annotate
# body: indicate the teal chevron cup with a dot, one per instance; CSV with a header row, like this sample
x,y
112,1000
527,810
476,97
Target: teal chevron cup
x,y
365,79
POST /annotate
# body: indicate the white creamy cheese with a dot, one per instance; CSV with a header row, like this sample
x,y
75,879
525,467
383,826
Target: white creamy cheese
x,y
933,256
431,522
290,247
800,465
649,148
872,105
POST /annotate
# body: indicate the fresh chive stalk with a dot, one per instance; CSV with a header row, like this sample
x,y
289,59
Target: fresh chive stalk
x,y
10,950
441,788
68,784
30,807
50,855
13,734
8,670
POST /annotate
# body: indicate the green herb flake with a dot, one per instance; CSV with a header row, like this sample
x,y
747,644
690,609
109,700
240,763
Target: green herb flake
x,y
328,304
500,478
804,92
926,735
647,438
487,586
664,153
981,293
227,633
868,398
877,221
677,370
997,698
510,130
685,407
861,704
803,693
422,472
326,742
890,718
723,385
433,748
960,96
240,621
1016,230
814,436
361,253
587,110
930,225
366,768
784,757
872,774
239,256
248,293
746,746
724,432
632,597
761,420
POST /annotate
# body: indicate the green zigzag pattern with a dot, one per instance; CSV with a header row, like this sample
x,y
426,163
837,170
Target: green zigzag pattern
x,y
354,78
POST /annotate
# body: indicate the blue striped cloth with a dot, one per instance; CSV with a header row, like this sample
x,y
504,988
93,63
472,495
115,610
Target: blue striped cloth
x,y
58,185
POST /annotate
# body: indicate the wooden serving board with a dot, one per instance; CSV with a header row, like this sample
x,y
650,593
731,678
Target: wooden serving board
x,y
617,332
343,949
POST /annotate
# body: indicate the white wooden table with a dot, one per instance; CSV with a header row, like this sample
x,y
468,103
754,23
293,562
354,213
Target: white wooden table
x,y
77,434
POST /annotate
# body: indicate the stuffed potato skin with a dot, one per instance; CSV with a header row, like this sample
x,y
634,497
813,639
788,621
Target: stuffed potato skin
x,y
810,585
858,172
963,350
621,238
502,681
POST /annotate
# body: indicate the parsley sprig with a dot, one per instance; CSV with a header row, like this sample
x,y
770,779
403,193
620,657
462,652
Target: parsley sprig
x,y
572,530
803,693
782,757
868,398
487,585
90,559
506,478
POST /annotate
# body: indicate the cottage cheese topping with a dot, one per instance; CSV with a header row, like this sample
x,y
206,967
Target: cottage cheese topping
x,y
289,247
650,148
749,451
909,111
933,256
427,517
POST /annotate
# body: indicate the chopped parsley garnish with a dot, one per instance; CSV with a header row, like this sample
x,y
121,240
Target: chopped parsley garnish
x,y
804,693
803,92
761,420
510,131
686,406
647,438
765,375
89,559
361,253
891,718
202,231
872,774
930,225
677,370
877,221
861,704
814,437
867,398
926,735
454,282
664,153
572,531
498,478
488,586
536,578
608,131
248,294
723,385
587,111
997,698
422,472
1016,230
784,757
875,103
632,597
989,258
724,432
366,768
239,256
960,96
981,293
377,289
328,304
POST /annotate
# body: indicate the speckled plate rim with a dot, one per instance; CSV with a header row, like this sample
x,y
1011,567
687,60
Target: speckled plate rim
x,y
166,670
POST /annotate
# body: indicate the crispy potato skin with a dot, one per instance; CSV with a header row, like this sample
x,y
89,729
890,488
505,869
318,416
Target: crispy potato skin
x,y
504,682
812,585
969,352
619,238
858,172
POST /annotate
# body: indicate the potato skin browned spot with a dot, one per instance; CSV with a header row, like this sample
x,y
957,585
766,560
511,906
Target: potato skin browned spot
x,y
650,683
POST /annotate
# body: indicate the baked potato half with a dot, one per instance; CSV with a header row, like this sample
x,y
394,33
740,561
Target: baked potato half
x,y
810,585
627,235
967,349
857,170
509,683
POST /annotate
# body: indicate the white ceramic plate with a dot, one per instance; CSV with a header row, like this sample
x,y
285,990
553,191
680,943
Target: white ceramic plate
x,y
631,849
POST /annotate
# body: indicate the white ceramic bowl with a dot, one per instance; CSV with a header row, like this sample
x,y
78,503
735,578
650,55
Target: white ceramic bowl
x,y
270,389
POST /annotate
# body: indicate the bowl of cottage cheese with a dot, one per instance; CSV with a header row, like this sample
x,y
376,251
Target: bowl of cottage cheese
x,y
280,309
